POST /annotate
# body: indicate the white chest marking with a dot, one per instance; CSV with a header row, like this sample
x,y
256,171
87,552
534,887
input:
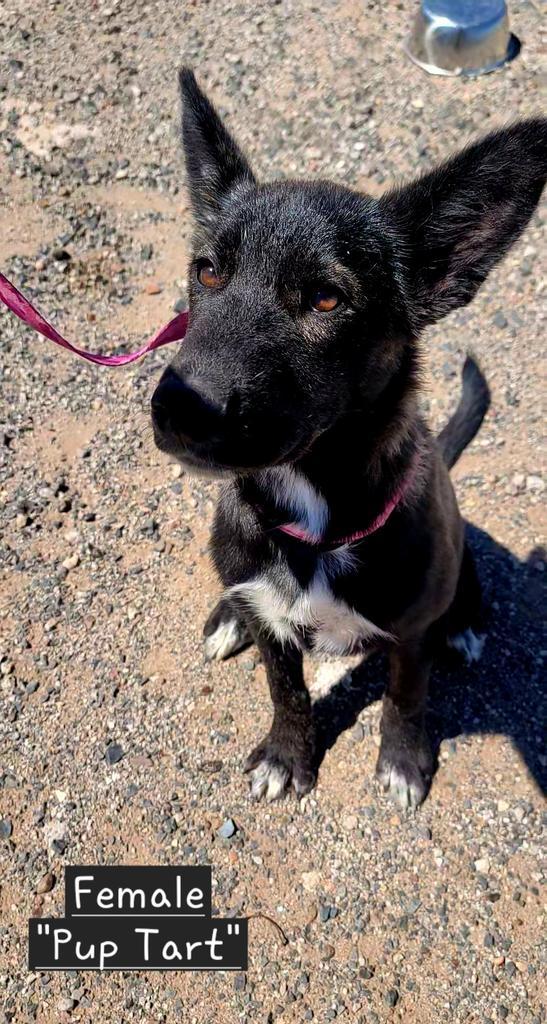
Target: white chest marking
x,y
293,491
290,611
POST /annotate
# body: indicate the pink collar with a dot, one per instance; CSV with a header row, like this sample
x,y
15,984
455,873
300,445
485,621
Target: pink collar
x,y
12,298
301,534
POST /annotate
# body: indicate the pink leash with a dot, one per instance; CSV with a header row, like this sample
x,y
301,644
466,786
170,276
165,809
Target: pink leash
x,y
18,304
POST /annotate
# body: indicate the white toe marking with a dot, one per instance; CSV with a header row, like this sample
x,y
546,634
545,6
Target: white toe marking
x,y
268,779
405,793
469,644
222,641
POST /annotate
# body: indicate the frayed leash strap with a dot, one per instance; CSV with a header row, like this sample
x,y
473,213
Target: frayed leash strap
x,y
18,304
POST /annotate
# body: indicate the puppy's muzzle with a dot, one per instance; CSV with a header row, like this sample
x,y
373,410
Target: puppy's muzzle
x,y
186,411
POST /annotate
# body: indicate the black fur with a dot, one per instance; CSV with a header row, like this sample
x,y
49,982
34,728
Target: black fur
x,y
466,421
265,386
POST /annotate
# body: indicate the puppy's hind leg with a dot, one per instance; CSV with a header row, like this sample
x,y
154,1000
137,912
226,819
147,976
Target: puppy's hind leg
x,y
226,632
465,622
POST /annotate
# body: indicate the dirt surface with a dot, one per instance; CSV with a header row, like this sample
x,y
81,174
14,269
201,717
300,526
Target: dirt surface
x,y
105,578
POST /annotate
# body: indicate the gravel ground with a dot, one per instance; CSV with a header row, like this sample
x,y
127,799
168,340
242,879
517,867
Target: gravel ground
x,y
118,744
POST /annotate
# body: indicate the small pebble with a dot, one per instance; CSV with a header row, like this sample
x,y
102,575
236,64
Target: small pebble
x,y
227,829
535,484
46,883
71,562
66,1004
114,753
482,865
392,997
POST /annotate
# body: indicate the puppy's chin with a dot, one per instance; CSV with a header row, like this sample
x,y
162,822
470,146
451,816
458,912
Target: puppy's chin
x,y
205,469
201,465
213,471
204,465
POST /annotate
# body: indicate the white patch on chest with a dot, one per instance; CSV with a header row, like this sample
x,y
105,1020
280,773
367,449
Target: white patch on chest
x,y
293,491
291,612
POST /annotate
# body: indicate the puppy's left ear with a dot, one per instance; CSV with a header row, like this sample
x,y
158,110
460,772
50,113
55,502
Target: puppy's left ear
x,y
455,223
214,162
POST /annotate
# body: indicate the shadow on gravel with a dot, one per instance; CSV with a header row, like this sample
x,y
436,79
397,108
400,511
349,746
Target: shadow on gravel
x,y
504,693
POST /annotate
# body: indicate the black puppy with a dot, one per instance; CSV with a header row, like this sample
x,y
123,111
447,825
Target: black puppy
x,y
338,529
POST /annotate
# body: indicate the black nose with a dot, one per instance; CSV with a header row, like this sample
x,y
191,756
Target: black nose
x,y
186,409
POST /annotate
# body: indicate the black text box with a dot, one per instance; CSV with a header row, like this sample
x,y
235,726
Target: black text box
x,y
137,891
143,944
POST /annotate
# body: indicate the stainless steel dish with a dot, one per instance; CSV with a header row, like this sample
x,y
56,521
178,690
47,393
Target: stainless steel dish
x,y
461,37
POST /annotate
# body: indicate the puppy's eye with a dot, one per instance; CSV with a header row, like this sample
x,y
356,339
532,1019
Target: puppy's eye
x,y
324,300
207,275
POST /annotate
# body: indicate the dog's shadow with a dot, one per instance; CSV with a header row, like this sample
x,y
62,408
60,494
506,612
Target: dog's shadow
x,y
503,693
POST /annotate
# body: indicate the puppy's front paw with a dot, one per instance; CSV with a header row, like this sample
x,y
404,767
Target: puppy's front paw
x,y
405,782
405,767
275,767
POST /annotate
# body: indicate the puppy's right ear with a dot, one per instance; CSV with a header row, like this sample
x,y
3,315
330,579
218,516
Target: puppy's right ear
x,y
214,163
460,219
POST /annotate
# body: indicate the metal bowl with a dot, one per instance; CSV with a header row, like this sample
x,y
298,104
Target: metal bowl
x,y
461,37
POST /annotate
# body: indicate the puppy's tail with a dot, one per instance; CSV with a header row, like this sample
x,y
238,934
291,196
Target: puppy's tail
x,y
472,408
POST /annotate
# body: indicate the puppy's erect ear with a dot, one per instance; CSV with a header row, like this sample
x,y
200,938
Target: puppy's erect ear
x,y
460,219
214,163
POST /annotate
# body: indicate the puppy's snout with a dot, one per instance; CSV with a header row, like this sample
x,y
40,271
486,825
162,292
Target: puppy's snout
x,y
187,409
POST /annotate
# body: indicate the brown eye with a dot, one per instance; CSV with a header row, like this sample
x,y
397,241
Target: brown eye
x,y
324,300
207,275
